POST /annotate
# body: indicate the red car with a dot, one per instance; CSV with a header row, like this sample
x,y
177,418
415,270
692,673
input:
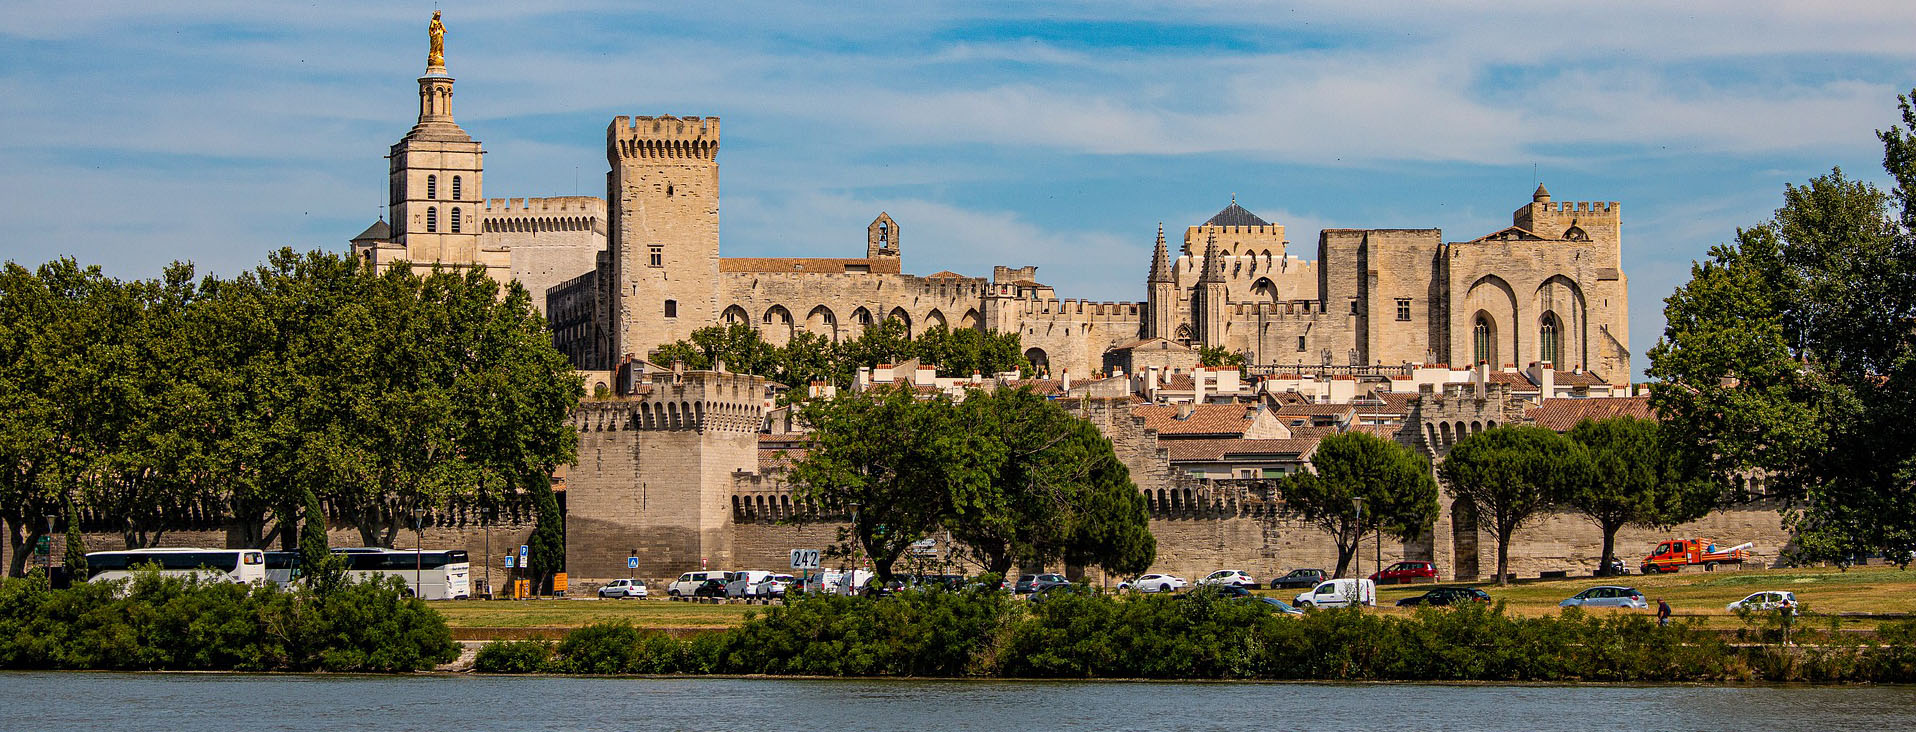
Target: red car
x,y
1406,572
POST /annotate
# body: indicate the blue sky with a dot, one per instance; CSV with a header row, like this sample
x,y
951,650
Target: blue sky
x,y
137,133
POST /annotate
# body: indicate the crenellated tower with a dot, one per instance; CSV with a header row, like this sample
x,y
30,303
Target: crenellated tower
x,y
663,202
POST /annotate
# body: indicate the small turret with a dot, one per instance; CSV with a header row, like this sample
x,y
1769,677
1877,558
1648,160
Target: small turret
x,y
1160,260
1542,195
1213,264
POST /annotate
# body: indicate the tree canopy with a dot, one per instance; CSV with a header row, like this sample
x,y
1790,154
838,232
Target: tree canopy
x,y
1399,496
1509,475
1789,355
382,393
1635,479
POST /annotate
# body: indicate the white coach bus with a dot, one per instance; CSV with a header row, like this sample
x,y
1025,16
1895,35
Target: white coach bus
x,y
431,574
232,565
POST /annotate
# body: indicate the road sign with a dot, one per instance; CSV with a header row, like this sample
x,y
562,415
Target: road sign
x,y
508,561
522,555
631,562
43,547
804,559
924,547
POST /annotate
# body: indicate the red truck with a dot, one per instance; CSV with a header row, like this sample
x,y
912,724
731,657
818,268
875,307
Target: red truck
x,y
1672,555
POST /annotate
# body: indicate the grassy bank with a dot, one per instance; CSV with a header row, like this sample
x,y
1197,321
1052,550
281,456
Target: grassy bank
x,y
1699,594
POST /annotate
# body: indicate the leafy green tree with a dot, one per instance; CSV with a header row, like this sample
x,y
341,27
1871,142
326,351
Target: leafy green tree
x,y
1219,357
1788,353
896,466
886,341
547,546
1399,495
807,358
1634,479
1058,492
1510,474
322,569
738,345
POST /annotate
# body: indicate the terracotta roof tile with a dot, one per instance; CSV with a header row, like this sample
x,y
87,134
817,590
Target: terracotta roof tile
x,y
1220,449
1571,378
1315,410
1562,414
1205,419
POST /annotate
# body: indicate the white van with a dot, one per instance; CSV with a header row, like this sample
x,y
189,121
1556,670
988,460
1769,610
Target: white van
x,y
1339,593
690,581
841,582
745,584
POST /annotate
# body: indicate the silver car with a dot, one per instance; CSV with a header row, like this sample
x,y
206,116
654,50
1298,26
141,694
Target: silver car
x,y
1607,596
1765,601
624,588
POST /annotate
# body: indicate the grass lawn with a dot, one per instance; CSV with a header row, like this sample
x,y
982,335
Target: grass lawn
x,y
1820,590
576,612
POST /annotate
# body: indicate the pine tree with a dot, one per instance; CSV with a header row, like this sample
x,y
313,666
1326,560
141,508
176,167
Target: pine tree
x,y
76,546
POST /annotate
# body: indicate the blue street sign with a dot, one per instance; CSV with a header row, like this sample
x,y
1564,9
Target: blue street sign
x,y
522,554
508,561
631,562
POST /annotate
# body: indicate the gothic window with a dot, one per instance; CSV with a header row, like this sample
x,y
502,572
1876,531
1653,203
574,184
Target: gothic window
x,y
455,188
432,187
671,308
432,220
658,255
1403,308
1575,234
1484,336
1550,339
453,218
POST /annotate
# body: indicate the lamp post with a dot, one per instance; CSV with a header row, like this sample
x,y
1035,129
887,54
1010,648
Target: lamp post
x,y
418,556
1357,555
47,560
489,519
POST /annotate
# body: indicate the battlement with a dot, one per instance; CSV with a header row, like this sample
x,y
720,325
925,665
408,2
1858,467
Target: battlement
x,y
1581,207
547,205
1305,309
1084,310
1207,229
705,401
662,138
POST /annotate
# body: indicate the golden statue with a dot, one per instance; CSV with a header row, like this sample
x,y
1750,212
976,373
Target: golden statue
x,y
436,57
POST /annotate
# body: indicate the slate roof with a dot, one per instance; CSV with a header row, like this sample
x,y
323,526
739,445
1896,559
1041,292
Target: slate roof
x,y
1235,215
1563,414
379,231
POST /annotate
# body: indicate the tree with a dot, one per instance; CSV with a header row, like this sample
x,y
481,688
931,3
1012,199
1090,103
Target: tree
x,y
896,466
1219,357
546,547
738,345
1400,497
75,560
1789,353
1510,474
1058,492
322,569
1634,479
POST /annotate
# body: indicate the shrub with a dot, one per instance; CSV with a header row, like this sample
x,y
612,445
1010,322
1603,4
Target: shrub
x,y
513,657
619,648
153,622
918,632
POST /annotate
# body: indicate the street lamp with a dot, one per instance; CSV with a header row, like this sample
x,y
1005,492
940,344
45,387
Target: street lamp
x,y
489,518
48,560
418,556
1357,555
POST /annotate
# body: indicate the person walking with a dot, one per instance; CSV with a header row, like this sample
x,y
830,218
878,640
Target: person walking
x,y
1663,613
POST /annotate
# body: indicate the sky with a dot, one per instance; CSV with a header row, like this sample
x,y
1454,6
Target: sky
x,y
1058,135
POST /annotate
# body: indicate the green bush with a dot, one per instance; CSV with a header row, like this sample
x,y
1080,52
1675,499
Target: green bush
x,y
154,622
920,632
513,657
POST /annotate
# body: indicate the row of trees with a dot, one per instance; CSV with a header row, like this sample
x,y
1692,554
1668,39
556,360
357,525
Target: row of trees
x,y
1792,351
379,393
810,357
1617,472
1012,476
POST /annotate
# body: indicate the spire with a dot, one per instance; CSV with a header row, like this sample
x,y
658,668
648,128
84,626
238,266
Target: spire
x,y
1160,260
1213,264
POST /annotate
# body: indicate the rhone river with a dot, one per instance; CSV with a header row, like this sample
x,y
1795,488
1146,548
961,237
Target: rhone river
x,y
58,702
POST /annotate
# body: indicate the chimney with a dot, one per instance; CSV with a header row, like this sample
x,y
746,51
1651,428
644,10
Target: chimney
x,y
1481,379
863,380
1065,387
1197,385
719,366
1184,410
1547,382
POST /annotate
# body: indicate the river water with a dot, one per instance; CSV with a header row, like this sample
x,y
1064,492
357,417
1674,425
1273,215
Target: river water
x,y
57,702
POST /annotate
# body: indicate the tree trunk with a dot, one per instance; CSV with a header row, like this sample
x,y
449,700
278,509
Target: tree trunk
x,y
1609,549
1503,559
22,548
1344,555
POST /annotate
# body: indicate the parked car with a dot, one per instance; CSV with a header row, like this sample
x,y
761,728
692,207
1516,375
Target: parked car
x,y
1154,583
1229,577
690,581
1446,596
1607,596
1229,591
1052,591
1768,600
1276,606
714,587
1405,572
941,581
1338,593
1299,579
775,585
744,584
623,588
1030,583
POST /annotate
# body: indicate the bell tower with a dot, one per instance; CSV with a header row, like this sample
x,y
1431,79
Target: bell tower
x,y
435,178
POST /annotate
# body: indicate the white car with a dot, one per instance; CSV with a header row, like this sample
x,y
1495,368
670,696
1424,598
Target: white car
x,y
689,582
1338,593
744,584
1154,583
624,588
1764,601
1229,577
775,585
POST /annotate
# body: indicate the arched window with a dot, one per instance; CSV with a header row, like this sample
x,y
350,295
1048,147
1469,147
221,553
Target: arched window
x,y
1550,340
1486,345
455,188
671,308
432,220
432,187
453,218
